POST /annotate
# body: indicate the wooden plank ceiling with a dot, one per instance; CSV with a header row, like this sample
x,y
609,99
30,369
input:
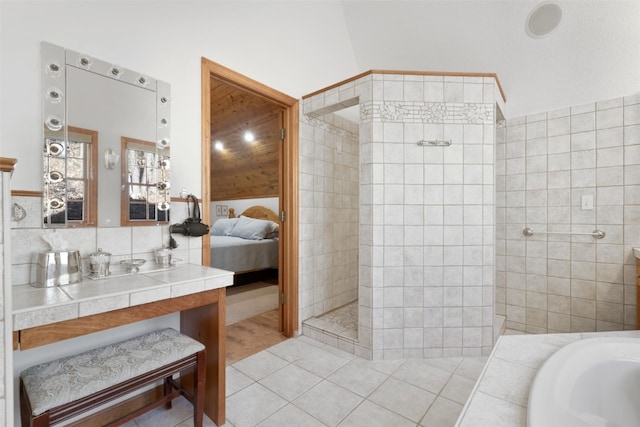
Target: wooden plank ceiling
x,y
243,170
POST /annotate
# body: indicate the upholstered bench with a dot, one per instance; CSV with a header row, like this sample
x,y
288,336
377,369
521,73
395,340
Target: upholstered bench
x,y
56,391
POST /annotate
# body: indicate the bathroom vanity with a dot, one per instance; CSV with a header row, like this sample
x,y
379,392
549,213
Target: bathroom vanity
x,y
44,316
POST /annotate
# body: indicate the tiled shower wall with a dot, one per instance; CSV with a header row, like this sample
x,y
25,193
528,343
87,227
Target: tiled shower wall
x,y
329,168
546,164
426,212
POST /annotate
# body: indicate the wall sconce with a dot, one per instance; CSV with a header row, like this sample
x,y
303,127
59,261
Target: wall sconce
x,y
111,158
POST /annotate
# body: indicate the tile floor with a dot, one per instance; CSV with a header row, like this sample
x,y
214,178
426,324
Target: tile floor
x,y
301,382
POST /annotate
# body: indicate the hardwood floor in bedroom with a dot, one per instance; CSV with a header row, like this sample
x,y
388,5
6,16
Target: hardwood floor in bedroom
x,y
250,336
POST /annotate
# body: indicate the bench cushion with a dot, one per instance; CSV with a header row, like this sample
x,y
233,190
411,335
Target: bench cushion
x,y
65,380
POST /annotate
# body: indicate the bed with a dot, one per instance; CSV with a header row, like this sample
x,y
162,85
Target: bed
x,y
248,243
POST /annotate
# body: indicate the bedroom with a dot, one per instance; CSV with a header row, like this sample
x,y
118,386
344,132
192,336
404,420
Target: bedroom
x,y
245,198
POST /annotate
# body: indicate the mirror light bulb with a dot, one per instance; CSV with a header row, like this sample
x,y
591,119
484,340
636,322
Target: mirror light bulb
x,y
249,137
218,145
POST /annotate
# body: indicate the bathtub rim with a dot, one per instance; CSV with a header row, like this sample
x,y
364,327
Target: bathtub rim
x,y
546,403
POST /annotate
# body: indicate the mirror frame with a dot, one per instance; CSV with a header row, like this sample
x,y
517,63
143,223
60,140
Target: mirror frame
x,y
55,62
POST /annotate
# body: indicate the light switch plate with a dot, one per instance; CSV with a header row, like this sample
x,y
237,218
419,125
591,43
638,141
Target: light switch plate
x,y
587,202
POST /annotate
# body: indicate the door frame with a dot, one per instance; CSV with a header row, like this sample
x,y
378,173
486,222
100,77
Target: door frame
x,y
288,251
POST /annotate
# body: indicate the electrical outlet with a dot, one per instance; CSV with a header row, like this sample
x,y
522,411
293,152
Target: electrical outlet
x,y
587,202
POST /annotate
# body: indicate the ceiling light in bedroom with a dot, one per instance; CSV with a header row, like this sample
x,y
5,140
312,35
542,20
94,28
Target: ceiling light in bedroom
x,y
249,137
543,19
218,145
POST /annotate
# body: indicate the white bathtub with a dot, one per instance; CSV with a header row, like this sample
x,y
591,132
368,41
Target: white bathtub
x,y
591,382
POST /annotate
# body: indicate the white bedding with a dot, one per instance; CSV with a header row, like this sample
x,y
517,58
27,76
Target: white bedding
x,y
240,255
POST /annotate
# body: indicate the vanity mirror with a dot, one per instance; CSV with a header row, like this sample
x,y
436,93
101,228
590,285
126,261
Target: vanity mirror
x,y
106,143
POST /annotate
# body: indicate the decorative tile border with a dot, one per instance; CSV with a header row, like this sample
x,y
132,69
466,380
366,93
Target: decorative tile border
x,y
428,112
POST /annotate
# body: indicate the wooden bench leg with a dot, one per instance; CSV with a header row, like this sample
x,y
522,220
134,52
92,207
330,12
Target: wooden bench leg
x,y
26,419
25,411
167,391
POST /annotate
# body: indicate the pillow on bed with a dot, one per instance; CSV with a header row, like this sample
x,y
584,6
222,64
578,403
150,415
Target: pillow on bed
x,y
273,234
223,226
252,229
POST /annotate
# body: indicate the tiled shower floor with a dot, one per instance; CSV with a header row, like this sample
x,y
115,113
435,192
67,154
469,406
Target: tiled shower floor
x,y
337,328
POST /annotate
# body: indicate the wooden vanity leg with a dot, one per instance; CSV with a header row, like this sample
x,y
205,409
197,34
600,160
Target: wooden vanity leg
x,y
207,325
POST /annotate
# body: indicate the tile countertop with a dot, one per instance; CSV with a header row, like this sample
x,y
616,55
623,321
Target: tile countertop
x,y
501,393
40,306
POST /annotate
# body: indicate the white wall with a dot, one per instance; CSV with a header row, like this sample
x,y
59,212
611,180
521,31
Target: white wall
x,y
593,54
165,40
241,205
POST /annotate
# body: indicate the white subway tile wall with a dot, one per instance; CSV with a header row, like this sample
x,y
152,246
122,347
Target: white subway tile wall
x,y
546,163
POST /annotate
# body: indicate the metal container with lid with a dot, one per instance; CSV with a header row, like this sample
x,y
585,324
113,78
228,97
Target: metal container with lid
x,y
99,263
163,257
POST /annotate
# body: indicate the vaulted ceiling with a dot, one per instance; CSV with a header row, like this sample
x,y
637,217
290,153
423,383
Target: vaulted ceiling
x,y
593,54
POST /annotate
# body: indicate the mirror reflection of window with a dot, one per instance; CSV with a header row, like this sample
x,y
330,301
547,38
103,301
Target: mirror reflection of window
x,y
144,199
70,191
141,173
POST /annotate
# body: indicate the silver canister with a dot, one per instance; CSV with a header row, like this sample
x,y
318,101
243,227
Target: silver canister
x,y
58,268
99,264
163,257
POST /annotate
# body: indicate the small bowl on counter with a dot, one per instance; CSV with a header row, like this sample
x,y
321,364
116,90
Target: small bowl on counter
x,y
133,265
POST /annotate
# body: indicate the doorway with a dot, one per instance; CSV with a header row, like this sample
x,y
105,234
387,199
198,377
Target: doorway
x,y
213,73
